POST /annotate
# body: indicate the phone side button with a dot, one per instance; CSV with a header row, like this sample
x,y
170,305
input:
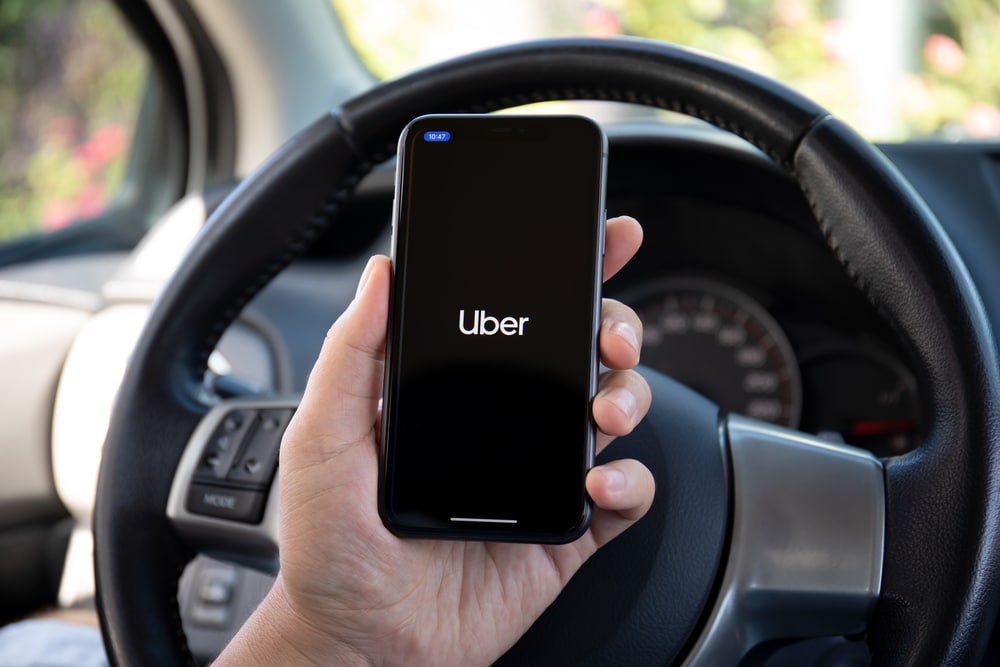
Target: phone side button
x,y
604,231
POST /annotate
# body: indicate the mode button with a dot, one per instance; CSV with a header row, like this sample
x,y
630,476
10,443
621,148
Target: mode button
x,y
224,503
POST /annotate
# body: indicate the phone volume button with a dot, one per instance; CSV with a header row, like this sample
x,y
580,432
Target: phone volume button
x,y
604,230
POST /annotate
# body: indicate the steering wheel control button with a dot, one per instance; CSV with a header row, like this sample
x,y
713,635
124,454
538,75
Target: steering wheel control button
x,y
257,462
224,503
233,422
211,603
224,445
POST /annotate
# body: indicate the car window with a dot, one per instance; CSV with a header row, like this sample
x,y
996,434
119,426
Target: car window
x,y
73,79
894,69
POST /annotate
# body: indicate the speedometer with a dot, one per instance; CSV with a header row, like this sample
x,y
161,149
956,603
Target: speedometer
x,y
723,344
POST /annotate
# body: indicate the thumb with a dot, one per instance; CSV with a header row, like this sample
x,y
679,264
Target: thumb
x,y
341,397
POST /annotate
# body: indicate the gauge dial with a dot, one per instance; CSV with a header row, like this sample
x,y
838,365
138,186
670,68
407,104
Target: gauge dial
x,y
866,396
723,344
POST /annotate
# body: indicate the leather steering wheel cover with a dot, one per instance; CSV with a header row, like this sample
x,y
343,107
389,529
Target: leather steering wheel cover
x,y
940,586
767,114
267,221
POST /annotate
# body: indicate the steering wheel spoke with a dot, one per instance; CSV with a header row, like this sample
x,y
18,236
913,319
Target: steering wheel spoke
x,y
808,530
223,500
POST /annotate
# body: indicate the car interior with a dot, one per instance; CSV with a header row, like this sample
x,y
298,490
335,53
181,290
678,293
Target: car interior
x,y
819,311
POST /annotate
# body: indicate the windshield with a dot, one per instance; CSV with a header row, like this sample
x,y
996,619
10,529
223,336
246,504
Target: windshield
x,y
895,69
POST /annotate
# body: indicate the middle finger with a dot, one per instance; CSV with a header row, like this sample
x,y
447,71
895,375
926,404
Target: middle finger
x,y
620,338
622,400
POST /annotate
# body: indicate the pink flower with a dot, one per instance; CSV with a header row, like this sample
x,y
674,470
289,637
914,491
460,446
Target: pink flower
x,y
982,120
944,55
90,201
56,214
835,40
104,146
601,22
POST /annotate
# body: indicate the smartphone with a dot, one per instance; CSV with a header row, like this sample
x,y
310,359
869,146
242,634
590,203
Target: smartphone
x,y
491,353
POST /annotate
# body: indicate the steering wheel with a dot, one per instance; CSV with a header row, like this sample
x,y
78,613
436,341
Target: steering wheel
x,y
758,533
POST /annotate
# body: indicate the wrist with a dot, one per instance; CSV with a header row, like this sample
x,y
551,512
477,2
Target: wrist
x,y
277,633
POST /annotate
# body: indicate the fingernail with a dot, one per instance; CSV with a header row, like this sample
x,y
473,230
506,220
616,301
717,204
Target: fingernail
x,y
628,333
614,479
365,275
623,400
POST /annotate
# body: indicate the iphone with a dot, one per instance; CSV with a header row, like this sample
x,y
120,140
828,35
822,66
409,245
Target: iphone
x,y
491,353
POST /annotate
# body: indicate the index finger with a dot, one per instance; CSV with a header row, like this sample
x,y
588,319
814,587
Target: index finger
x,y
622,238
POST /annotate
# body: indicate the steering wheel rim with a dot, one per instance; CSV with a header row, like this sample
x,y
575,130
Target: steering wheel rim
x,y
939,585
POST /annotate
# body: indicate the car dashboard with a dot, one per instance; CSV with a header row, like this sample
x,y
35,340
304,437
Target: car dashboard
x,y
740,296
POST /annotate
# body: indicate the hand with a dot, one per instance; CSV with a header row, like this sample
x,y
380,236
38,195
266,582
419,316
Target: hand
x,y
351,592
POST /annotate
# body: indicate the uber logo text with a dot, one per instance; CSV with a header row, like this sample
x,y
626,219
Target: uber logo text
x,y
487,325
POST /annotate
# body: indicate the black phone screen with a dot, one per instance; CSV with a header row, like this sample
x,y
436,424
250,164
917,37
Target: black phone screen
x,y
491,357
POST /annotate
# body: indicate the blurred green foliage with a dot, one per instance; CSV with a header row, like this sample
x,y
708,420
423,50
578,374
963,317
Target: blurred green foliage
x,y
71,77
950,86
72,81
947,52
